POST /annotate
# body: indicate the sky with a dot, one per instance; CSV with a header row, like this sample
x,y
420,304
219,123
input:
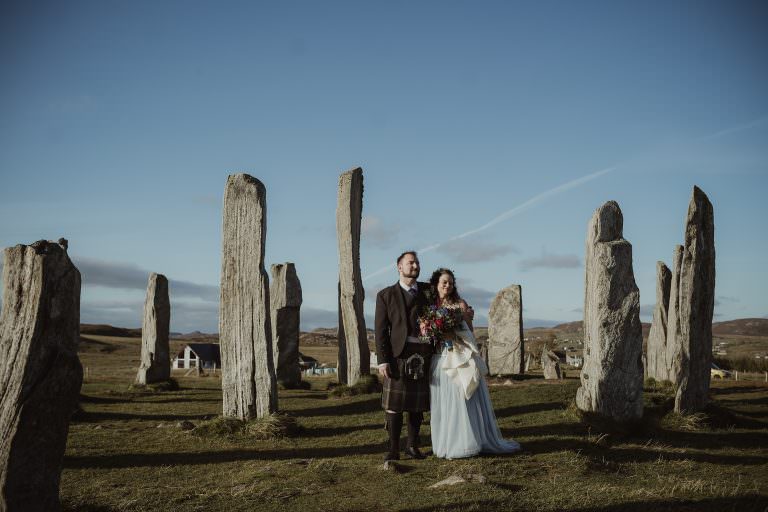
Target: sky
x,y
488,133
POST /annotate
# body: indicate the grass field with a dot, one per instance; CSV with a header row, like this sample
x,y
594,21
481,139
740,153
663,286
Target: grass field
x,y
126,452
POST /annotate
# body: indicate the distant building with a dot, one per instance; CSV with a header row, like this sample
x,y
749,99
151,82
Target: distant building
x,y
198,355
307,362
574,360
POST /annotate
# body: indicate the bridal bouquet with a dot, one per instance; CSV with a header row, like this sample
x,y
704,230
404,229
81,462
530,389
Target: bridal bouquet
x,y
436,321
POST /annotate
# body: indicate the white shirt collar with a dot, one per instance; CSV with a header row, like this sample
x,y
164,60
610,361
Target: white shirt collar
x,y
407,288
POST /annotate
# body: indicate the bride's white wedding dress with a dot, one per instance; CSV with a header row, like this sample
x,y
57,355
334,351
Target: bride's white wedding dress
x,y
462,421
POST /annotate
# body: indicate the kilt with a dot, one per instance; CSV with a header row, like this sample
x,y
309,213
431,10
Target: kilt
x,y
403,393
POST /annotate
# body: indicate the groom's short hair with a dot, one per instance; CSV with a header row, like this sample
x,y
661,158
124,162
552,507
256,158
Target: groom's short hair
x,y
407,252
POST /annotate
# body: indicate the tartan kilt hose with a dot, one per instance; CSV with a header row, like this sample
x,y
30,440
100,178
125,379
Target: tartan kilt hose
x,y
403,393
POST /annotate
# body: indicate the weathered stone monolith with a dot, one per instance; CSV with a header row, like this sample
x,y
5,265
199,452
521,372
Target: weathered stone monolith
x,y
354,354
249,386
612,376
285,298
155,357
696,303
656,360
674,349
550,364
505,332
40,373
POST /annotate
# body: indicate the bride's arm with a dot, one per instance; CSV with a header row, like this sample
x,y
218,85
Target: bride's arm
x,y
468,313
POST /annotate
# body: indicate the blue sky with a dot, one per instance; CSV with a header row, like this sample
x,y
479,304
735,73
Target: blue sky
x,y
122,120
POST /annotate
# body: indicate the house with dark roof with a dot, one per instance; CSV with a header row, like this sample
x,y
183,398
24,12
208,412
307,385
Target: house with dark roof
x,y
198,355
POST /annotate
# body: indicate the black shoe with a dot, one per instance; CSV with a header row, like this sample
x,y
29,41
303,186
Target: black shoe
x,y
414,453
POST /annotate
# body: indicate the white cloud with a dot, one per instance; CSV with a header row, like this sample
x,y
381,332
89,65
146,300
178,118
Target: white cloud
x,y
377,233
548,260
129,276
474,250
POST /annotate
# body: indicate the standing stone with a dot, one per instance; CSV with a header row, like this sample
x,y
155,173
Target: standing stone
x,y
528,360
674,349
656,360
285,298
354,353
550,364
612,377
696,303
40,373
505,332
155,357
249,386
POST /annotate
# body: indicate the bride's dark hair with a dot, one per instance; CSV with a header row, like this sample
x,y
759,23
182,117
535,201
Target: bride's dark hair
x,y
454,295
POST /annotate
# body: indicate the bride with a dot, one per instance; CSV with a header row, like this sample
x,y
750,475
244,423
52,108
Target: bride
x,y
462,421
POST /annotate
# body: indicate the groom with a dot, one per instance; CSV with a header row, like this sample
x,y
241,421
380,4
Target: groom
x,y
405,359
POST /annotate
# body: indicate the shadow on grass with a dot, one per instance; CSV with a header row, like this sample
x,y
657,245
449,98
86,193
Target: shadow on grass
x,y
87,399
551,429
748,503
465,505
338,431
752,401
177,400
732,390
86,508
520,377
132,460
709,440
516,410
620,454
95,417
339,408
317,395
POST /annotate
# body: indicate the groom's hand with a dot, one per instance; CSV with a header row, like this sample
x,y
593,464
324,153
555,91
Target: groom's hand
x,y
384,370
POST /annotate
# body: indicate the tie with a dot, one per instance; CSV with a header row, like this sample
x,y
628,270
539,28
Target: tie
x,y
412,291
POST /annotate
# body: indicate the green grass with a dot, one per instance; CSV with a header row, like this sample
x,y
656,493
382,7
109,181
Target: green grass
x,y
126,453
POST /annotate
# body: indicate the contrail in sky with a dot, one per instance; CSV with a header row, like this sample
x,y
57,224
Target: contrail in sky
x,y
557,190
739,128
508,214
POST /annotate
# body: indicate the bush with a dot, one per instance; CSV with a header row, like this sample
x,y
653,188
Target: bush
x,y
166,385
367,384
652,385
286,385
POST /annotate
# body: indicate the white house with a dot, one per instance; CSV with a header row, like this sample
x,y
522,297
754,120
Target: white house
x,y
193,355
574,360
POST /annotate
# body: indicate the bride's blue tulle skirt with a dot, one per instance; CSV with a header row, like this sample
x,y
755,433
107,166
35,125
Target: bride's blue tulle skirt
x,y
462,428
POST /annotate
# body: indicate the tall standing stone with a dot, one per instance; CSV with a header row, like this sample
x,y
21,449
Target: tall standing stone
x,y
550,365
656,360
354,353
612,377
155,353
285,298
40,373
249,386
505,332
674,349
696,303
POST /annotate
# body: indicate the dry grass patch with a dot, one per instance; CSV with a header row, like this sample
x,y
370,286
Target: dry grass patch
x,y
274,426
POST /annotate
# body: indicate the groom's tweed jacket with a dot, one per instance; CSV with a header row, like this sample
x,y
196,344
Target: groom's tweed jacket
x,y
395,321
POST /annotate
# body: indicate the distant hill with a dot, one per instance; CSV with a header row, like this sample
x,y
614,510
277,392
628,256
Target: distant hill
x,y
570,327
194,335
108,330
576,327
743,326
